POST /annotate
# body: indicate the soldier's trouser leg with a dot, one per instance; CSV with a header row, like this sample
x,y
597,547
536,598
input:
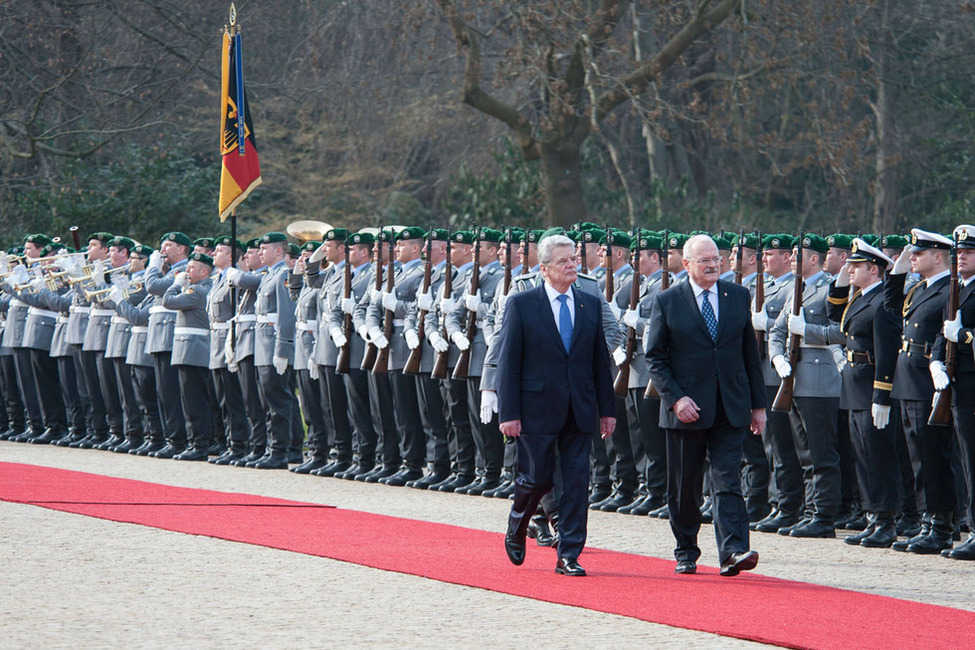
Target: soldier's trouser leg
x,y
620,452
487,437
338,397
82,387
849,486
257,413
964,417
74,410
276,393
878,471
433,411
170,404
12,400
48,387
110,393
381,407
28,389
408,423
144,379
816,446
131,417
461,438
310,395
930,450
236,428
653,440
365,436
788,472
194,398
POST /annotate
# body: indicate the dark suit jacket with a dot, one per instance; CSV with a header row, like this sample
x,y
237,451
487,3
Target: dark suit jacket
x,y
683,360
538,379
921,312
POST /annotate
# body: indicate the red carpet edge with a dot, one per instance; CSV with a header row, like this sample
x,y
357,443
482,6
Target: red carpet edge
x,y
751,606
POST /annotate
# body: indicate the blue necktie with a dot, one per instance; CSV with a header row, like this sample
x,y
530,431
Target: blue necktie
x,y
565,322
708,312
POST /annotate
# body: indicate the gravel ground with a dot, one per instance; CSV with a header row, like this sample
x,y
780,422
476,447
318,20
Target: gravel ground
x,y
69,580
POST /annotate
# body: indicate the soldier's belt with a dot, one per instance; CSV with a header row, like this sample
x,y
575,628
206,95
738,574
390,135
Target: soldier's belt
x,y
159,309
307,326
62,318
813,347
220,326
44,313
859,357
917,348
246,318
140,329
102,313
118,320
77,309
268,319
399,322
191,331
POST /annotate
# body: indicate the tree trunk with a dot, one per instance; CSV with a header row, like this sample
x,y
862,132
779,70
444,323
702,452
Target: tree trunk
x,y
562,173
885,186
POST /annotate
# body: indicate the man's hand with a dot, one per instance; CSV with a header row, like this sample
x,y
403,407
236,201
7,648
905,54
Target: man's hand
x,y
613,307
280,364
619,356
155,261
438,342
412,339
953,327
760,321
797,324
378,337
473,302
348,306
631,318
843,277
390,302
338,337
511,428
313,372
447,305
460,341
687,410
758,421
182,280
782,367
489,405
424,301
606,427
881,415
938,375
319,254
902,264
116,295
233,275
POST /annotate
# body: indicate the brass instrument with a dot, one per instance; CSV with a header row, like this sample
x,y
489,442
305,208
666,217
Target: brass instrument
x,y
96,294
306,230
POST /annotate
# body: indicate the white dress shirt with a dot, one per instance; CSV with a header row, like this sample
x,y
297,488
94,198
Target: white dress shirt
x,y
553,301
712,295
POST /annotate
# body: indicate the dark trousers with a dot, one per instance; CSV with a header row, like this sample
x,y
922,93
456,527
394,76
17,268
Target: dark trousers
x,y
12,401
170,404
930,453
849,485
364,436
487,437
965,433
649,441
28,389
73,408
408,423
131,416
686,452
110,392
235,428
89,373
619,451
877,468
144,380
536,469
338,397
48,388
786,469
460,440
311,397
256,413
814,433
81,385
194,398
384,422
278,398
433,411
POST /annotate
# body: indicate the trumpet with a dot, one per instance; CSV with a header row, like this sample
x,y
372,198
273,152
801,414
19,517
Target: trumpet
x,y
96,295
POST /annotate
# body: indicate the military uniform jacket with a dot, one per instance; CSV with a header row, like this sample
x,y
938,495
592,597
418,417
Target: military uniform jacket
x,y
191,335
428,354
138,317
816,374
4,305
650,286
324,300
13,333
306,326
362,279
406,285
922,313
869,330
437,317
220,311
488,282
78,307
59,341
274,335
963,383
778,298
120,329
39,324
162,320
246,319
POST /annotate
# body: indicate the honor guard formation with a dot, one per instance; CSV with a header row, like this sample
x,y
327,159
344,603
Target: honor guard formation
x,y
370,356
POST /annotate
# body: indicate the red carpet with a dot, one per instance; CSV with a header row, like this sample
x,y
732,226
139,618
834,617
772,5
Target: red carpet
x,y
751,606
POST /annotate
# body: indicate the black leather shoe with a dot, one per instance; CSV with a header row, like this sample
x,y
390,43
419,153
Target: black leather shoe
x,y
757,507
902,544
126,446
72,438
614,502
227,458
276,460
884,534
453,484
383,471
539,531
966,551
647,505
48,437
484,484
739,562
854,540
908,525
367,476
148,449
193,453
169,451
706,515
569,567
514,546
860,522
249,458
663,512
499,491
402,478
598,493
354,470
113,439
309,465
628,509
333,468
429,480
932,544
815,528
776,520
252,463
686,567
786,530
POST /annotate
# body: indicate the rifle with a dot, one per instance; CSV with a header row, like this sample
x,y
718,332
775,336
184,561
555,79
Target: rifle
x,y
412,366
941,406
345,352
740,257
584,263
623,377
507,267
759,288
369,357
462,369
608,261
664,257
783,398
382,358
440,361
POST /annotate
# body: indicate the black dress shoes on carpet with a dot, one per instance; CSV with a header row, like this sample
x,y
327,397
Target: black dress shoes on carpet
x,y
738,562
569,567
514,546
686,567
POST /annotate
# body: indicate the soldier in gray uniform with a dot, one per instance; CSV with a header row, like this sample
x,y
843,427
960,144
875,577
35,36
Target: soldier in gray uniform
x,y
12,408
273,346
221,307
174,248
816,391
187,295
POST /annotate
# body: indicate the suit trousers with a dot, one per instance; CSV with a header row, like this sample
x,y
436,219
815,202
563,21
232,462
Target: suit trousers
x,y
48,387
911,490
278,398
877,467
257,415
144,380
170,403
73,407
686,453
310,396
849,486
460,439
786,486
930,451
28,389
433,411
234,429
619,451
649,441
364,436
12,401
814,433
537,460
196,408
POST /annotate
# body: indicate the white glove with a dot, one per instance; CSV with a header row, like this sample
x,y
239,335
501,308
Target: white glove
x,y
631,318
489,405
233,274
390,303
121,280
378,337
938,374
116,295
447,305
155,261
348,305
619,356
843,277
363,332
280,364
338,337
760,321
839,357
232,366
902,264
613,307
318,255
98,272
38,284
782,367
424,301
182,280
438,342
412,339
797,324
881,415
228,353
19,275
953,327
502,299
313,372
473,302
460,341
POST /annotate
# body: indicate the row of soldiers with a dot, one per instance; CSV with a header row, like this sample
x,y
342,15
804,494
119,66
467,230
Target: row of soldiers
x,y
379,343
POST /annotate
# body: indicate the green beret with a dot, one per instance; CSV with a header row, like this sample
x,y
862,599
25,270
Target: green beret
x,y
463,237
514,234
202,258
15,250
141,249
311,246
871,239
439,234
534,235
254,243
490,235
620,238
387,234
839,240
648,240
180,238
894,241
103,237
274,238
293,250
38,240
557,230
591,235
815,243
227,241
677,240
587,225
722,243
411,233
750,240
122,242
51,249
780,242
337,234
205,242
731,236
366,238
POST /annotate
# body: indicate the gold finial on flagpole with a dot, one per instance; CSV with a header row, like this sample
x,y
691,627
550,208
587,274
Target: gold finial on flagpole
x,y
233,14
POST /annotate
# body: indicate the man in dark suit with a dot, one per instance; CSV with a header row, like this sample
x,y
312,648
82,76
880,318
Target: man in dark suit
x,y
704,361
554,389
